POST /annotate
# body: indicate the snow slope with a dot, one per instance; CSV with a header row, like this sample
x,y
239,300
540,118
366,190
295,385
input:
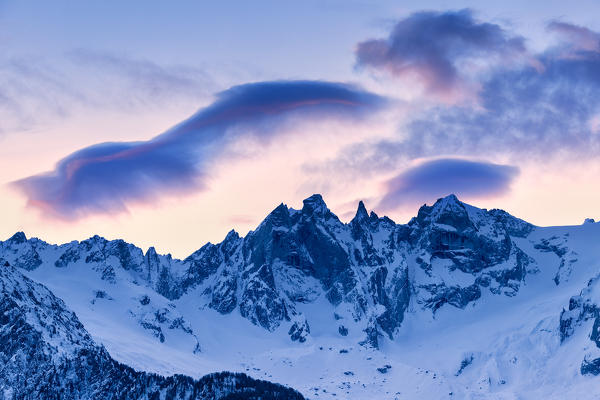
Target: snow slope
x,y
46,353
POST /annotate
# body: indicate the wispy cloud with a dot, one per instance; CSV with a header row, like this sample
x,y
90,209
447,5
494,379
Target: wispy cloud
x,y
576,36
144,82
35,91
108,176
31,91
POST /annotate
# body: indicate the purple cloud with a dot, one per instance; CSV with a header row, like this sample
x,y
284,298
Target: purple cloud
x,y
108,176
431,45
549,109
541,110
436,178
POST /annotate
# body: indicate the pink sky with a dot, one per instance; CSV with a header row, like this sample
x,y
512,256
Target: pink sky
x,y
64,100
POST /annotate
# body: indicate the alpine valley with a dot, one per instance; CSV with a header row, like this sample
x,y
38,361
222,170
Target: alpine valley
x,y
461,302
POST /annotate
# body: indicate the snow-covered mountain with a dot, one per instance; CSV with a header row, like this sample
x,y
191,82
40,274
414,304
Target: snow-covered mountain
x,y
46,353
459,302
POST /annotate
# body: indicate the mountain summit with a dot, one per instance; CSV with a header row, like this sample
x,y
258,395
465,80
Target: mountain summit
x,y
362,268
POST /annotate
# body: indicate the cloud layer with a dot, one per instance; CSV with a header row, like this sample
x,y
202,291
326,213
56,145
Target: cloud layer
x,y
437,178
433,46
108,176
547,110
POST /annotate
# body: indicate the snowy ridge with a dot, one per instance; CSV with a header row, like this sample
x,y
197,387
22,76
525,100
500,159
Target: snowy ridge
x,y
460,300
362,268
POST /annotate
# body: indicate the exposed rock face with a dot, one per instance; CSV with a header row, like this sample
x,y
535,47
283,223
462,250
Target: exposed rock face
x,y
299,330
21,252
567,257
158,320
584,312
370,270
45,352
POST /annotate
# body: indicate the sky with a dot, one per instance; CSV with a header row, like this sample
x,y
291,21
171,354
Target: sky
x,y
169,124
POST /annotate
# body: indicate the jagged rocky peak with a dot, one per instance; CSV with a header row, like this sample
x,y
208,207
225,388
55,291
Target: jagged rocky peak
x,y
18,238
151,253
369,221
451,214
315,205
21,252
450,203
361,213
95,240
296,256
231,236
231,241
280,216
448,211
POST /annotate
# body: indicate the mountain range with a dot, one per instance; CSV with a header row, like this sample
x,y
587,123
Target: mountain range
x,y
460,302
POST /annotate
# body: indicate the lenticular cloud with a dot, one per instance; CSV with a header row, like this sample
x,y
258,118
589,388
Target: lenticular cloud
x,y
107,176
436,178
